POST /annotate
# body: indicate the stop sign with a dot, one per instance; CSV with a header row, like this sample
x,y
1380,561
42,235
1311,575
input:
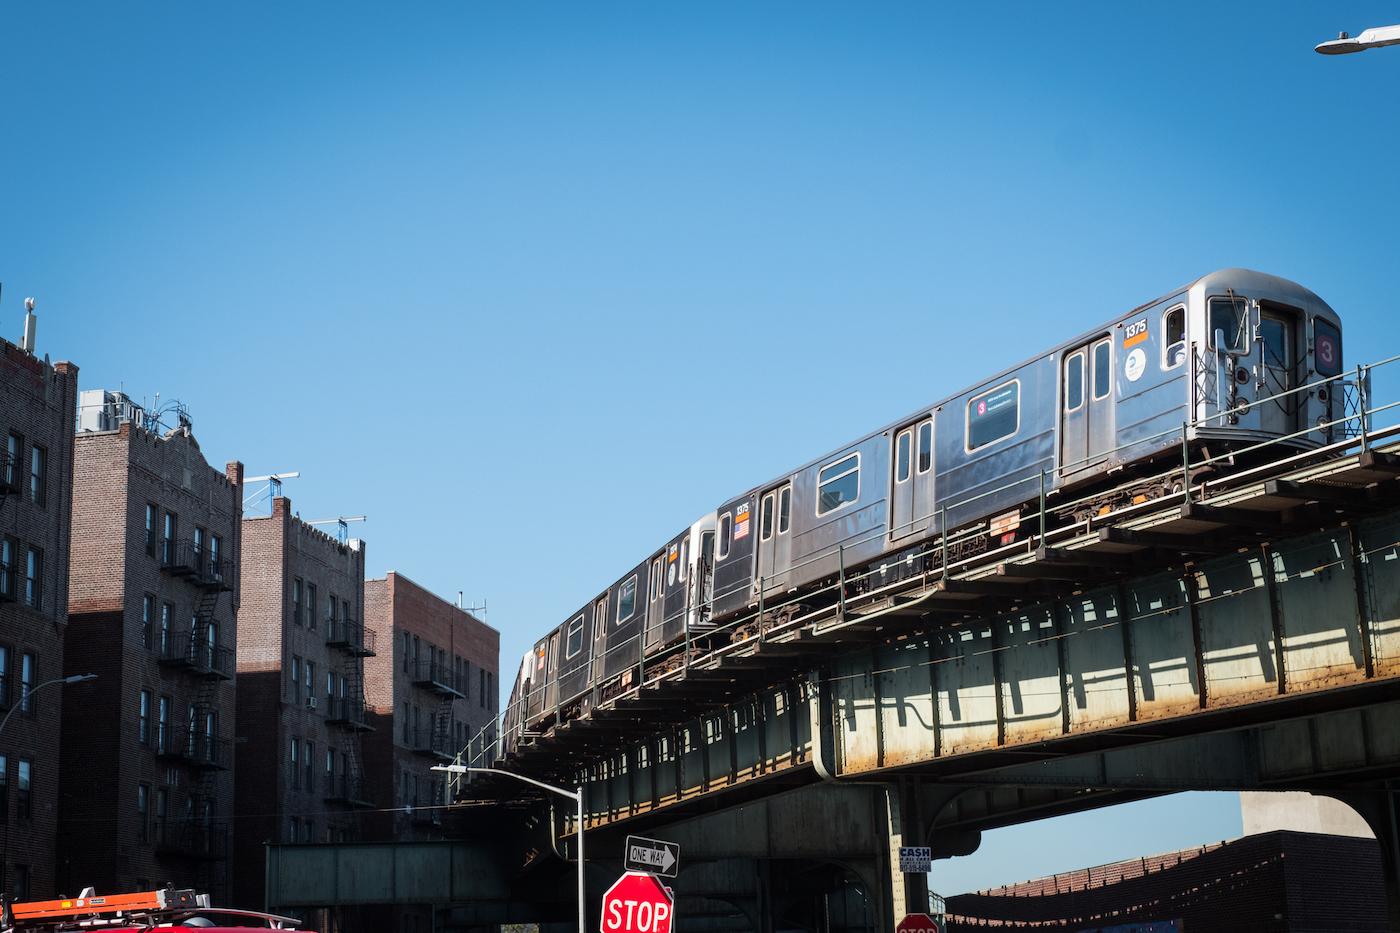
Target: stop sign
x,y
919,923
637,903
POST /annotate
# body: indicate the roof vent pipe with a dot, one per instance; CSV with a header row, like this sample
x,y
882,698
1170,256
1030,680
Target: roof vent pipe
x,y
26,343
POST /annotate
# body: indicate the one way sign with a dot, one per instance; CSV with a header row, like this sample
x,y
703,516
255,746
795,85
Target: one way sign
x,y
653,855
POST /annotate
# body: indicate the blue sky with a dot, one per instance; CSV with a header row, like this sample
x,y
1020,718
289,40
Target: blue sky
x,y
534,286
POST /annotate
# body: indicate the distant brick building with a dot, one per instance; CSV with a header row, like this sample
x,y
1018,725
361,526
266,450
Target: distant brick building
x,y
147,779
1277,882
37,407
433,686
301,694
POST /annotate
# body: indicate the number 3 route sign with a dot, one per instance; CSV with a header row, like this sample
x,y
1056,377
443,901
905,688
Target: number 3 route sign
x,y
637,903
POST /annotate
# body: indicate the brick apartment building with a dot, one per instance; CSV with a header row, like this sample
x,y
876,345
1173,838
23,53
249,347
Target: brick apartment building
x,y
37,406
433,686
301,694
147,782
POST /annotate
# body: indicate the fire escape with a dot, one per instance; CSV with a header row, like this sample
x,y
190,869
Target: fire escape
x,y
195,742
436,742
348,710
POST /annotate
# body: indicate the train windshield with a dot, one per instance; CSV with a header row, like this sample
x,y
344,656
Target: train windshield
x,y
1230,315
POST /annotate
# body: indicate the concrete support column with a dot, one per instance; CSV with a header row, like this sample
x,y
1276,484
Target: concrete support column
x,y
894,897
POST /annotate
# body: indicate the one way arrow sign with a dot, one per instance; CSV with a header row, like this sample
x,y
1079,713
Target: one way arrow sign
x,y
653,855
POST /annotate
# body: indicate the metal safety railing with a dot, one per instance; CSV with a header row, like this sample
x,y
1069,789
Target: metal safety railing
x,y
1354,426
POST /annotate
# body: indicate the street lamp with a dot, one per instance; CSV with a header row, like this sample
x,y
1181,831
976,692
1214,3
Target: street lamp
x,y
5,857
1373,38
575,796
48,683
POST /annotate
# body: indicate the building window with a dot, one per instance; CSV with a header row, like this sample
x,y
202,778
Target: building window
x,y
23,776
21,882
167,553
28,679
330,771
162,725
150,530
34,579
406,726
311,607
296,766
306,831
148,611
199,548
9,548
144,722
405,653
294,830
4,677
167,626
12,465
215,549
308,677
162,810
4,791
38,474
296,680
296,602
143,806
308,755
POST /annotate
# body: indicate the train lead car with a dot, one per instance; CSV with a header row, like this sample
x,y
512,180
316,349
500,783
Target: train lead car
x,y
1236,360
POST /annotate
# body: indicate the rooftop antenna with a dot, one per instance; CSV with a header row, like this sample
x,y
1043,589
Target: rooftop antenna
x,y
26,342
273,487
343,532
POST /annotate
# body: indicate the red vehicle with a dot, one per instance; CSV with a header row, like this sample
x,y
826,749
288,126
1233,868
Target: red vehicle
x,y
165,911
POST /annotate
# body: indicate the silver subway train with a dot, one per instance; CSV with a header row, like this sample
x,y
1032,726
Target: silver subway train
x,y
1235,360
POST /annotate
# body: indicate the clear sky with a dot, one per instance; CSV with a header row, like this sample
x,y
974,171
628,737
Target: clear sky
x,y
533,286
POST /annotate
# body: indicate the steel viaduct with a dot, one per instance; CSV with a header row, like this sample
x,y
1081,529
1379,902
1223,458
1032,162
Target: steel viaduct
x,y
1242,635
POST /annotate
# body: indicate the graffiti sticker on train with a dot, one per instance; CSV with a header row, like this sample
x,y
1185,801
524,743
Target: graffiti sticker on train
x,y
1135,333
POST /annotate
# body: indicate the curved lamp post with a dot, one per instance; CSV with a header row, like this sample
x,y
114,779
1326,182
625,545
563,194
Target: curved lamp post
x,y
48,683
4,875
575,796
1373,38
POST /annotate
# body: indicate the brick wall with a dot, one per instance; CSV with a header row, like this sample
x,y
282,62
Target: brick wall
x,y
131,621
1268,883
402,760
285,560
38,405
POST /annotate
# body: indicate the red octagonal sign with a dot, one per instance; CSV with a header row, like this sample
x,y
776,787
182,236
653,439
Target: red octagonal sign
x,y
918,923
637,903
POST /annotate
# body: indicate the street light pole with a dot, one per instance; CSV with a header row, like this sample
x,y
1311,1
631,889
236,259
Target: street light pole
x,y
5,858
575,796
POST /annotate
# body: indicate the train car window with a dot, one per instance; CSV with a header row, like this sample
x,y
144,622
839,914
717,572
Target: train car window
x,y
765,518
600,619
1174,337
993,415
685,556
627,599
1327,348
901,456
1074,381
1103,369
574,644
655,583
1232,316
838,484
784,509
925,446
726,527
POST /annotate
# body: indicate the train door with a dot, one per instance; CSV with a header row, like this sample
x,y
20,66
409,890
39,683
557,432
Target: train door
x,y
656,602
1277,329
551,690
774,537
1086,410
600,637
912,466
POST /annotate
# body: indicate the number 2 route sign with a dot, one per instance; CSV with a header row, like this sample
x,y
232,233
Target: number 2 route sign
x,y
637,903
